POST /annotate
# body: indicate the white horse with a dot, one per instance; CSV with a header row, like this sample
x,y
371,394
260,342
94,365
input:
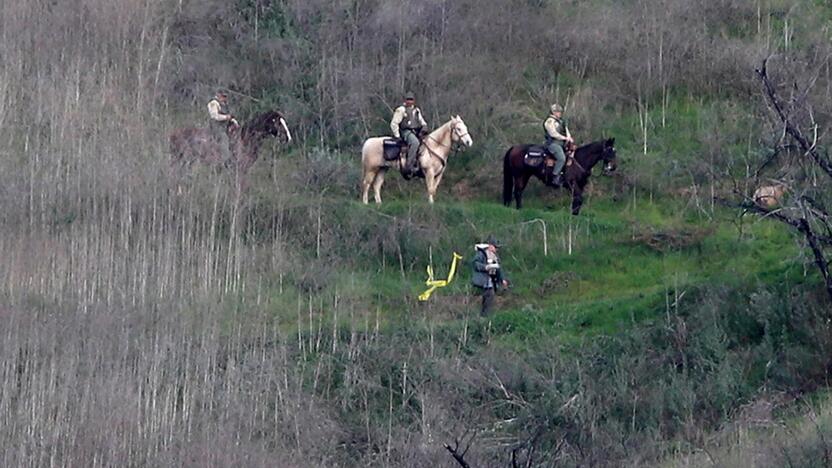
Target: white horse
x,y
433,158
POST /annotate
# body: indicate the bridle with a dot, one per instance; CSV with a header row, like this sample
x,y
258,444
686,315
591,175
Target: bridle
x,y
608,157
459,136
455,148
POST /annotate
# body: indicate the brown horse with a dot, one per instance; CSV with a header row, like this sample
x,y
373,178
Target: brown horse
x,y
516,173
188,145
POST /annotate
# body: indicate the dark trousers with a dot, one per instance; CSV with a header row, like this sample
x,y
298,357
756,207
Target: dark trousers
x,y
412,139
487,301
219,130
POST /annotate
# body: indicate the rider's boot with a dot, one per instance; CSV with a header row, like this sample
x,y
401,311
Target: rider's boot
x,y
557,181
407,169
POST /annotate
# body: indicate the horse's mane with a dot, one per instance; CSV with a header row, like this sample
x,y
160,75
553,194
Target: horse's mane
x,y
441,127
592,147
261,123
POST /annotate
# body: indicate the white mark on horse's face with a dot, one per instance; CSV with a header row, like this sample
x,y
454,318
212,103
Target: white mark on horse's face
x,y
286,129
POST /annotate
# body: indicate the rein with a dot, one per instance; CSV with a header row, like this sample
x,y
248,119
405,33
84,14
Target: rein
x,y
451,146
581,166
575,159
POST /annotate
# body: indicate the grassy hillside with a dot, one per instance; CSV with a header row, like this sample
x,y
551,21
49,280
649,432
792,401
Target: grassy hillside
x,y
148,323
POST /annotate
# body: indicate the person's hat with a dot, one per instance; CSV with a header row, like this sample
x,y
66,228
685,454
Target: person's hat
x,y
409,96
222,93
556,108
494,241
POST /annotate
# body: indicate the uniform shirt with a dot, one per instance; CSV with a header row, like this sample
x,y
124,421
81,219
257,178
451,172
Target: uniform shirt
x,y
406,118
554,128
217,112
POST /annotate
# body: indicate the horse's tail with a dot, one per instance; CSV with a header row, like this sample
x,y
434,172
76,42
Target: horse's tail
x,y
508,180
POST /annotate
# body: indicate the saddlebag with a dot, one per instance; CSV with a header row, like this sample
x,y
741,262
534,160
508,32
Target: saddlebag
x,y
392,149
535,156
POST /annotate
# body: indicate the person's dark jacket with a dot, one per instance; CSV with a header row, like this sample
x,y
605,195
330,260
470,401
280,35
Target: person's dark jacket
x,y
480,278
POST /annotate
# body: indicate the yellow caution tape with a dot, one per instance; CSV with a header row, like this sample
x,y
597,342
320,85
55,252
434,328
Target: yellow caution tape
x,y
436,284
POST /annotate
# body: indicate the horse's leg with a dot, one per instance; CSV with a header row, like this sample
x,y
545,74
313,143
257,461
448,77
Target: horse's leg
x,y
520,185
577,200
437,179
378,183
179,166
242,181
429,183
366,182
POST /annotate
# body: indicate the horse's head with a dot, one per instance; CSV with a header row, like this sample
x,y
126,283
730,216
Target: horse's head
x,y
278,125
233,128
609,157
459,132
274,124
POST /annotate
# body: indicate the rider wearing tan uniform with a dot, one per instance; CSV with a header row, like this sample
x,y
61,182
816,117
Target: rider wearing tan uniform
x,y
407,123
221,118
557,136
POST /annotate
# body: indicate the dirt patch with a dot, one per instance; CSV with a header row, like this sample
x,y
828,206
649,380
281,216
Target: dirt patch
x,y
664,240
463,190
557,282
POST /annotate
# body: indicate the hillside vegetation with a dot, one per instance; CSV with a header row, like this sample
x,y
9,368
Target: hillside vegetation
x,y
148,322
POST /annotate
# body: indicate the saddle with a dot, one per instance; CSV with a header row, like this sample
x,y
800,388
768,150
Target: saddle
x,y
538,155
539,158
396,150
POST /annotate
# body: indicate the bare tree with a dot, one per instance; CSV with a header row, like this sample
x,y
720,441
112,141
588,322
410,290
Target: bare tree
x,y
807,213
457,451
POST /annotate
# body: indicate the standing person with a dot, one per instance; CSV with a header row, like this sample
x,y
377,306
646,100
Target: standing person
x,y
488,274
221,120
408,124
557,136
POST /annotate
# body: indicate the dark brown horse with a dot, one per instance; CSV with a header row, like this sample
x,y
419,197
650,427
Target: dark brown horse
x,y
516,173
188,145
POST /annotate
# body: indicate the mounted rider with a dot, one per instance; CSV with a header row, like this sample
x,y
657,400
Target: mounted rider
x,y
222,122
557,137
408,124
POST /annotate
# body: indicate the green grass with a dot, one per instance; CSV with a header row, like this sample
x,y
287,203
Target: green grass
x,y
612,279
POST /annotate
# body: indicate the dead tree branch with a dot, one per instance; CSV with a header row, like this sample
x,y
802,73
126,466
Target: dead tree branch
x,y
809,148
455,450
815,241
811,211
